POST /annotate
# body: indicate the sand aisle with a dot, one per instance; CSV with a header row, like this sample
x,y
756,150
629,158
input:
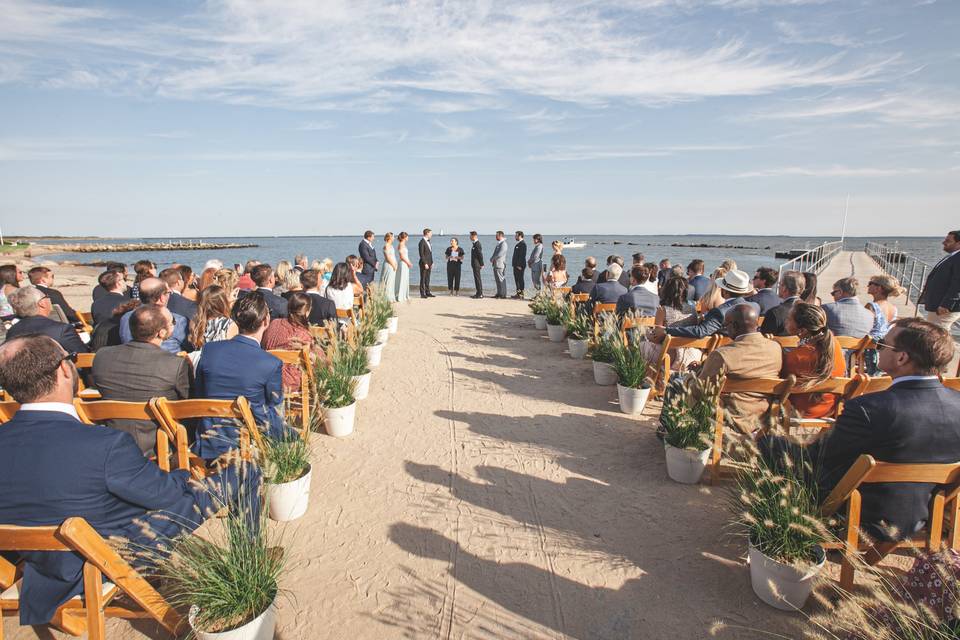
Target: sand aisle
x,y
492,490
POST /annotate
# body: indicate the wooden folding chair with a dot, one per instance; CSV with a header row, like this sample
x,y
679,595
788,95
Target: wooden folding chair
x,y
872,384
866,470
786,342
857,348
347,313
85,362
844,388
300,358
951,383
7,409
706,346
98,412
358,304
86,614
776,388
598,310
173,412
87,319
560,292
630,323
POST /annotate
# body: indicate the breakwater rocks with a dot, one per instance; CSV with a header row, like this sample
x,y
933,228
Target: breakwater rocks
x,y
140,246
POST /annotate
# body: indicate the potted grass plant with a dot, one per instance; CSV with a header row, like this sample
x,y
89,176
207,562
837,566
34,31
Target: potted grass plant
x,y
378,311
367,336
556,313
602,350
578,327
776,508
287,471
633,386
335,392
348,356
538,305
687,418
228,581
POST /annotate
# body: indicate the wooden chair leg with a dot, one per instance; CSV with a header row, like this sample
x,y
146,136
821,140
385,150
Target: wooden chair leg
x,y
183,453
936,524
93,602
851,544
717,448
954,539
163,450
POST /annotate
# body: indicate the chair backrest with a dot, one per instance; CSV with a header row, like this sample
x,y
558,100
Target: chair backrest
x,y
99,411
786,342
873,384
951,383
579,297
173,412
844,388
301,358
604,307
706,345
85,360
564,290
345,313
325,332
87,319
629,323
857,347
7,409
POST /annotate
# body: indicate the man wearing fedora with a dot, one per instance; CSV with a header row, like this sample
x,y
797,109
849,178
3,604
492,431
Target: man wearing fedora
x,y
733,286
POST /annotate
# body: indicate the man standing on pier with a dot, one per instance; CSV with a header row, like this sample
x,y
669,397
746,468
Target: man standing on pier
x,y
941,292
476,263
426,264
519,263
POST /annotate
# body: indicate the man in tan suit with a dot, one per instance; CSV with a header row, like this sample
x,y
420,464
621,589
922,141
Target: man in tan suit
x,y
749,356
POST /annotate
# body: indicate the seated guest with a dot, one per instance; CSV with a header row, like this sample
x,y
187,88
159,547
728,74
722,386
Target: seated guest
x,y
817,359
212,322
733,285
292,332
673,307
140,370
845,315
42,278
246,283
638,299
239,367
664,272
324,269
265,280
557,276
228,279
356,266
751,355
881,288
10,278
280,273
611,260
291,283
651,283
119,267
585,282
914,421
591,263
32,307
54,467
300,263
809,294
177,303
609,290
154,291
114,294
340,288
699,283
190,284
775,319
143,269
322,309
712,297
765,296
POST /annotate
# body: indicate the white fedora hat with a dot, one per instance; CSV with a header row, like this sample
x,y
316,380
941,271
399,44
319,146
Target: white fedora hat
x,y
735,281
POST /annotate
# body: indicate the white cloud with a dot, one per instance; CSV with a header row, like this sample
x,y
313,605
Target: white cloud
x,y
902,108
577,153
835,171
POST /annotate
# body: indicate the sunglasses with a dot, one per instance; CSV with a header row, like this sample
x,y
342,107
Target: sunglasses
x,y
883,345
836,292
71,356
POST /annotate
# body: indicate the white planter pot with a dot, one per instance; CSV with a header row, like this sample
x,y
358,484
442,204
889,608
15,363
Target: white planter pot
x,y
632,400
603,374
339,422
686,465
260,628
393,323
540,322
374,354
556,332
361,386
578,348
383,335
289,500
780,585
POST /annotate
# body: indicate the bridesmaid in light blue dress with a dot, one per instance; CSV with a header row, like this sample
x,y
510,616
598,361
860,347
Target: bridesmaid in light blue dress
x,y
403,269
388,276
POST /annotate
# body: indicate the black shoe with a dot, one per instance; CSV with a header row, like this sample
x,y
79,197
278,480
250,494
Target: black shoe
x,y
430,295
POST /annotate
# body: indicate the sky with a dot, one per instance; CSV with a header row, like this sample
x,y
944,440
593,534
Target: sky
x,y
257,117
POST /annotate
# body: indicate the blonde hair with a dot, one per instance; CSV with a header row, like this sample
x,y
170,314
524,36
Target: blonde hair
x,y
711,299
283,268
718,273
388,236
728,265
889,285
317,264
226,278
557,246
291,281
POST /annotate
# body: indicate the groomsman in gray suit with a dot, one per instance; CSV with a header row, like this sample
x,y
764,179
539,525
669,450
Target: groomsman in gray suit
x,y
499,262
535,262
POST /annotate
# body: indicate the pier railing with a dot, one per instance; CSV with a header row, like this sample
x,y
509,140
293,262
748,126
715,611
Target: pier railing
x,y
815,260
909,270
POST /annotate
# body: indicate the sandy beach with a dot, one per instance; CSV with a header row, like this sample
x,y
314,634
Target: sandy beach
x,y
492,490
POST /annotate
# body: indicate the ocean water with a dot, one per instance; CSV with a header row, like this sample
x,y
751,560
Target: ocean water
x,y
758,251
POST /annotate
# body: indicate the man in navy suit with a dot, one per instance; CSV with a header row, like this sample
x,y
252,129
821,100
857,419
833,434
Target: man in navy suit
x,y
32,306
941,292
323,308
154,291
914,421
608,291
792,284
766,297
638,299
265,280
369,257
54,467
176,302
239,367
698,282
519,263
114,295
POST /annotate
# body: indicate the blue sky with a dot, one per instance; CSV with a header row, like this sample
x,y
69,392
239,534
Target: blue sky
x,y
251,117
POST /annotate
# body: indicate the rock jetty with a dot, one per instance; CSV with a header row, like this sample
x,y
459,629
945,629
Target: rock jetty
x,y
180,245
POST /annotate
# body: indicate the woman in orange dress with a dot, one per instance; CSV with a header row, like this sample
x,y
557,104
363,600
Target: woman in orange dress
x,y
818,358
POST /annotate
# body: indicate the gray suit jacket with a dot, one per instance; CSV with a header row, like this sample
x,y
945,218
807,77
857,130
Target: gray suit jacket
x,y
136,372
499,257
536,256
848,317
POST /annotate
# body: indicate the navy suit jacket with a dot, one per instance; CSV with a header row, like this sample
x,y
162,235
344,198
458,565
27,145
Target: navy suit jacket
x,y
638,299
942,288
102,308
711,323
322,309
369,256
64,334
698,285
53,467
276,304
181,306
519,260
606,292
766,298
583,286
775,320
232,368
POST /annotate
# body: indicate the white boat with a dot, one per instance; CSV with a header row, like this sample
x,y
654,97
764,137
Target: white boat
x,y
571,243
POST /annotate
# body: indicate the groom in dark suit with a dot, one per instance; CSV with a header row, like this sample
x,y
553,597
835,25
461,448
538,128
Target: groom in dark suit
x,y
369,257
476,263
941,292
519,263
426,264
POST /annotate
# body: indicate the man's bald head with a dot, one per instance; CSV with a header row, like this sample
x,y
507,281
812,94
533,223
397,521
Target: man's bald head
x,y
742,319
149,321
153,291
